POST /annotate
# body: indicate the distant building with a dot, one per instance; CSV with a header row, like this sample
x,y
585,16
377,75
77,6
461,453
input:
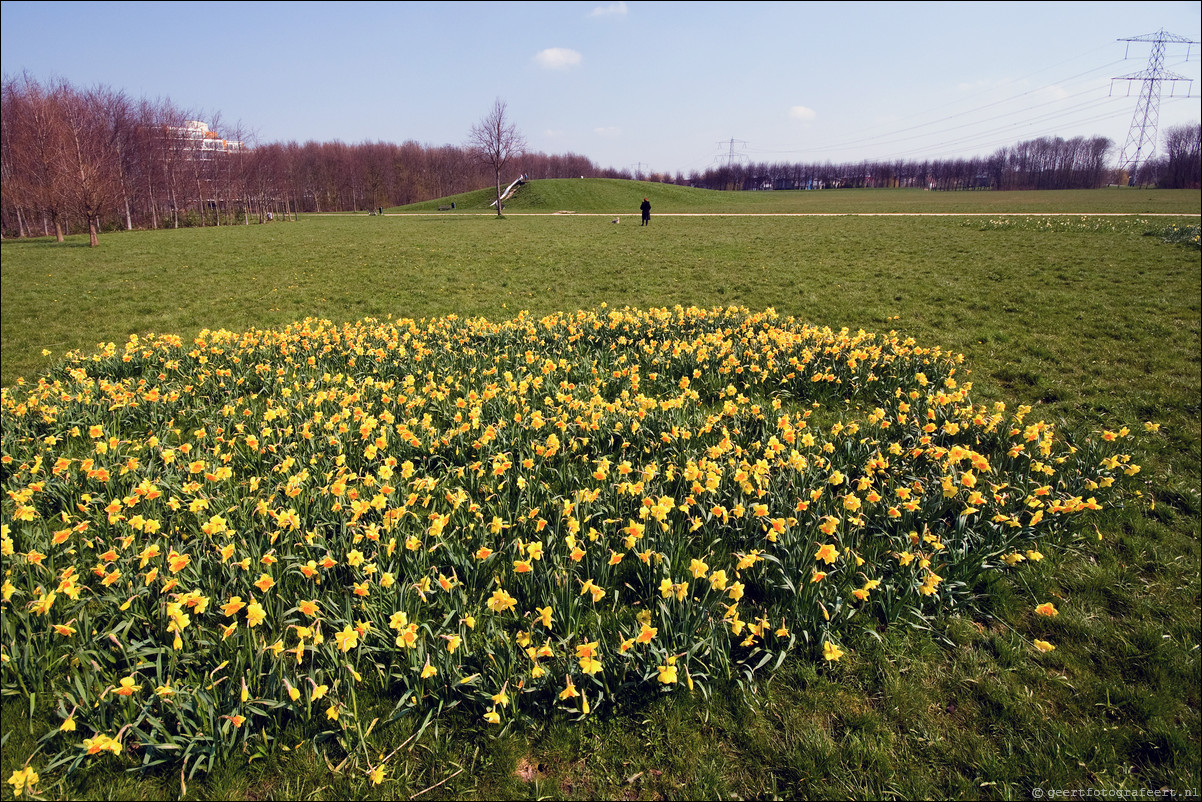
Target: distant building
x,y
210,142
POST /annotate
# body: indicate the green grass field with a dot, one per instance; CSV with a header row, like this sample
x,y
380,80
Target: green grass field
x,y
1094,321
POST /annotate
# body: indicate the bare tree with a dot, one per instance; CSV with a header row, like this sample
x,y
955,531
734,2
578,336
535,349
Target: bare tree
x,y
36,147
238,170
495,141
91,159
1183,144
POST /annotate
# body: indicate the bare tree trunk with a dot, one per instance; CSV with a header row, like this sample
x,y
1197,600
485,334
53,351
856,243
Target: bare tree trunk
x,y
174,201
216,191
200,199
154,215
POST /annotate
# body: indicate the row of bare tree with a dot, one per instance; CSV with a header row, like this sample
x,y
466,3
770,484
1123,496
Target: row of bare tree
x,y
74,159
1181,165
94,158
1045,163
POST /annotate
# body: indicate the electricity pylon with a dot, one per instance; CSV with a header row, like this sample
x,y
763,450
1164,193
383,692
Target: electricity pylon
x,y
730,159
1147,111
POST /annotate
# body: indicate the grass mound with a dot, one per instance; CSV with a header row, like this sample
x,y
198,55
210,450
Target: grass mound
x,y
605,195
209,541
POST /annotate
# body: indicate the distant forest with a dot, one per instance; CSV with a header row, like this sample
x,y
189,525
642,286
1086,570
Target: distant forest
x,y
95,160
1044,163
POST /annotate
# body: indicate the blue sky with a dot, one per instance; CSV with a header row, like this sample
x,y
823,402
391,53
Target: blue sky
x,y
664,86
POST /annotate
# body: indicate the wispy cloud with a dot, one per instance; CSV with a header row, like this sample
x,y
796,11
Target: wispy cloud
x,y
558,58
612,10
1054,92
803,113
609,131
965,86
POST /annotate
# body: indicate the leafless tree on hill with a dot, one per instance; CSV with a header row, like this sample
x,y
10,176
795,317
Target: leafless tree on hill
x,y
495,141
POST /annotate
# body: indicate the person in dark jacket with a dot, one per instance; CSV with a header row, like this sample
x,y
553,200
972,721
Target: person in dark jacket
x,y
646,210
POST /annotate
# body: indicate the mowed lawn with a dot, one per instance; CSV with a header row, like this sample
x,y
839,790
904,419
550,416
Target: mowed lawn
x,y
1091,320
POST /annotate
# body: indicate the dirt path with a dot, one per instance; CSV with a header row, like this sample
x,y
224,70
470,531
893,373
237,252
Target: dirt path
x,y
634,215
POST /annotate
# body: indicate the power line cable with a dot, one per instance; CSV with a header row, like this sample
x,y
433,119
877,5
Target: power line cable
x,y
1088,105
940,149
877,137
885,142
888,137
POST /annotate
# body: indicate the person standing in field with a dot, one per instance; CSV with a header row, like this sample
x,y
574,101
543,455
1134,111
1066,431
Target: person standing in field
x,y
645,208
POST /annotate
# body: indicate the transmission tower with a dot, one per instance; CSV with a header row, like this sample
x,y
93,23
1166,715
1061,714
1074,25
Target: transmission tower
x,y
730,158
1147,110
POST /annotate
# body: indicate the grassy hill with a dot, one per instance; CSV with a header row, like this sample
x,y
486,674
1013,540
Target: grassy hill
x,y
618,196
604,195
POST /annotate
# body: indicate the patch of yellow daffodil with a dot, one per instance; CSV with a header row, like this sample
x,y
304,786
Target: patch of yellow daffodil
x,y
557,507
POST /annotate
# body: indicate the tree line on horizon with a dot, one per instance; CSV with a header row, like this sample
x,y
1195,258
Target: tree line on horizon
x,y
1043,163
94,159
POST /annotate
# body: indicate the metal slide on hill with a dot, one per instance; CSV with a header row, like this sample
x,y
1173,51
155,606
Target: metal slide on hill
x,y
510,189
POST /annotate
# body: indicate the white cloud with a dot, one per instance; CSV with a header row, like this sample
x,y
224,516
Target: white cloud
x,y
612,10
1054,92
965,86
553,133
558,58
803,113
608,131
